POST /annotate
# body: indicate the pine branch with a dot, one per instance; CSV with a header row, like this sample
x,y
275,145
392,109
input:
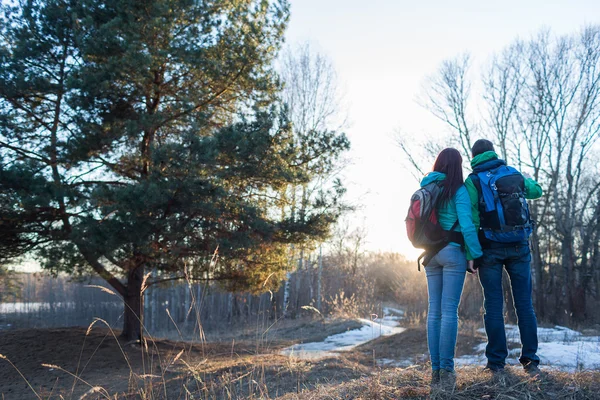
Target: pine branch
x,y
25,153
103,272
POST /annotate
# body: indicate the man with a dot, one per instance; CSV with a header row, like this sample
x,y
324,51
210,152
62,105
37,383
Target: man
x,y
498,194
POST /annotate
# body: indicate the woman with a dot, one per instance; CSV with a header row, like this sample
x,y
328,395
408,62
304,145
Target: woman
x,y
447,269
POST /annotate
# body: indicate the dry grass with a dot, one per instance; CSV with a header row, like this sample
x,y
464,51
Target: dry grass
x,y
472,383
94,363
70,364
238,371
74,363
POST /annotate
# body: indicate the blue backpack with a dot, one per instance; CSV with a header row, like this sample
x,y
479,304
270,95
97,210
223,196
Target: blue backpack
x,y
503,208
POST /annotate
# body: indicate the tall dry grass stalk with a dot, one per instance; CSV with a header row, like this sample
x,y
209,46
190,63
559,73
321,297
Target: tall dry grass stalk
x,y
98,389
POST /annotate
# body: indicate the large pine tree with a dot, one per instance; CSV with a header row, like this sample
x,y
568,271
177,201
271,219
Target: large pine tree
x,y
147,135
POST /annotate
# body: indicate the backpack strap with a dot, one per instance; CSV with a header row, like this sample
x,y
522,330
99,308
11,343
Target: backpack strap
x,y
486,190
477,184
451,236
421,257
454,226
455,237
428,254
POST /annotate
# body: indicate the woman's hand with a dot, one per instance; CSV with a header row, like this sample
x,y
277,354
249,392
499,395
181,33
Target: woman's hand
x,y
471,267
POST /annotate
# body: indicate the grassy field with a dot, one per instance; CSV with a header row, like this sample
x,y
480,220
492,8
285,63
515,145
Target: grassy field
x,y
75,363
472,383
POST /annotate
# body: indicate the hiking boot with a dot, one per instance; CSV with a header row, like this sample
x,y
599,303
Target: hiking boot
x,y
498,373
532,369
435,377
494,369
447,379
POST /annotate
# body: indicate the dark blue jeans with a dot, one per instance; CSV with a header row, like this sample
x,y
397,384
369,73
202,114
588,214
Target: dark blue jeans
x,y
517,261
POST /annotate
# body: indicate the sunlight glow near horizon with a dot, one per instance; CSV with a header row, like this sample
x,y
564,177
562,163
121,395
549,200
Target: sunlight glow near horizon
x,y
383,51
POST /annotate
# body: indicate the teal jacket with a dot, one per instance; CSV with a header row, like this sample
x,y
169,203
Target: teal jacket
x,y
532,189
459,207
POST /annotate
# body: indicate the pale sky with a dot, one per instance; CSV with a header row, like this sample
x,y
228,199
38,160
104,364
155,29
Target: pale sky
x,y
383,50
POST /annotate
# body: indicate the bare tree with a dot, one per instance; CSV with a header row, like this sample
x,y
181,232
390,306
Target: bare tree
x,y
312,93
420,153
518,128
560,119
311,89
503,83
541,102
446,95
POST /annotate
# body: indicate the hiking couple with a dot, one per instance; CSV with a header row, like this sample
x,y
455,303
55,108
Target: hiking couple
x,y
481,224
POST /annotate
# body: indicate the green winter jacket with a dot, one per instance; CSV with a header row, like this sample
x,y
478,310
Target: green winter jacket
x,y
532,189
458,208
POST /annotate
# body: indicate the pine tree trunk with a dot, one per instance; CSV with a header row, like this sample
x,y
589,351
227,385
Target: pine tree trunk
x,y
134,305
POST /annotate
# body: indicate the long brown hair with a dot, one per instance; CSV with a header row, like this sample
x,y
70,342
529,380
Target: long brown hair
x,y
449,162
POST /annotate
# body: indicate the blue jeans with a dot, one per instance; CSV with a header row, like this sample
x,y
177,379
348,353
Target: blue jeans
x,y
517,262
445,279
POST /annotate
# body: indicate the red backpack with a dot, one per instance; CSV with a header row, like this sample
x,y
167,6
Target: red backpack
x,y
422,225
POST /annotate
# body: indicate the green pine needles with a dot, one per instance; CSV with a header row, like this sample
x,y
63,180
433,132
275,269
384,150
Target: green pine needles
x,y
149,135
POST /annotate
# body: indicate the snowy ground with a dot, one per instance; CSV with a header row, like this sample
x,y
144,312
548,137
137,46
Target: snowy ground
x,y
371,329
559,347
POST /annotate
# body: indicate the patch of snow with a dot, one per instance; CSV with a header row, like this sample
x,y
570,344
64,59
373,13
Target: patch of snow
x,y
391,316
559,347
342,341
393,311
558,333
388,362
371,329
571,356
480,348
388,320
376,328
307,353
470,360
